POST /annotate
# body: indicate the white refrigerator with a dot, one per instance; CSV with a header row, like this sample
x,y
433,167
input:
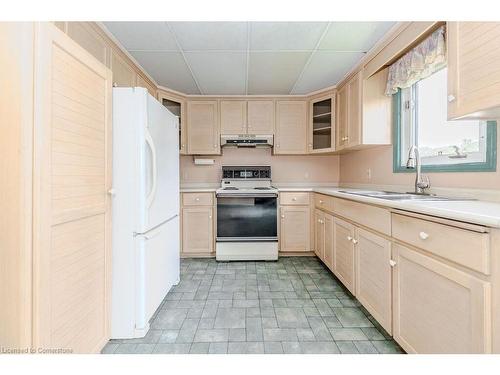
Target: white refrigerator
x,y
145,209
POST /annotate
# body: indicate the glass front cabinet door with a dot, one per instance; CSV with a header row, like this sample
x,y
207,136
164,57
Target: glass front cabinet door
x,y
322,125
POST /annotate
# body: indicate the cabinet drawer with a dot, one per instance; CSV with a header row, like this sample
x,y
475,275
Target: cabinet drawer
x,y
465,247
324,202
197,199
294,199
373,217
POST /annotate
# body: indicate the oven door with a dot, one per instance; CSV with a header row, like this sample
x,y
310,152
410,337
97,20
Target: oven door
x,y
243,218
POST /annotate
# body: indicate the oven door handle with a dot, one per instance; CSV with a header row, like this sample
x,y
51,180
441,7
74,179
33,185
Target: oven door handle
x,y
229,195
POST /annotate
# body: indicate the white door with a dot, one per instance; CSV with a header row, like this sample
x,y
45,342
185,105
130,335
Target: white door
x,y
161,164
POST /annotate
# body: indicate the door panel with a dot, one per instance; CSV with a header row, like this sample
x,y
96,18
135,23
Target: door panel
x,y
354,111
329,242
233,116
437,308
291,127
72,208
319,234
342,117
260,117
197,230
295,229
203,127
374,276
344,267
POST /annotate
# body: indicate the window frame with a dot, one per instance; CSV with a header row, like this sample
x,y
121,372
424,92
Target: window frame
x,y
490,165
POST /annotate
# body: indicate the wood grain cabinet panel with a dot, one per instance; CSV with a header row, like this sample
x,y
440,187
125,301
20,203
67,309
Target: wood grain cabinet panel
x,y
344,260
123,73
203,127
319,233
89,39
354,111
473,70
374,276
291,127
197,230
437,308
72,213
295,228
329,255
294,198
233,117
260,117
342,111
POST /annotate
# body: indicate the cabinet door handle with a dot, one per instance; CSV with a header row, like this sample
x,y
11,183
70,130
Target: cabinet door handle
x,y
423,235
392,263
451,98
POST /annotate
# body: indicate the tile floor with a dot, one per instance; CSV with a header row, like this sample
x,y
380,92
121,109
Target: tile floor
x,y
294,305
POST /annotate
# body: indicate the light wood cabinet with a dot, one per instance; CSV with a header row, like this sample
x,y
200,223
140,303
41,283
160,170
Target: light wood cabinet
x,y
233,117
364,112
374,276
87,37
140,81
322,124
260,117
71,204
123,73
328,254
197,230
473,70
203,133
176,105
438,308
295,228
291,127
344,258
319,233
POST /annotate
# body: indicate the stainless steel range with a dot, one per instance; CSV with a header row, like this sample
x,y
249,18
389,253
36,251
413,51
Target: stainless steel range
x,y
247,226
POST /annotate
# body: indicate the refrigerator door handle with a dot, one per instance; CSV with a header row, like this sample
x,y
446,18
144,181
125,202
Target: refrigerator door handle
x,y
151,196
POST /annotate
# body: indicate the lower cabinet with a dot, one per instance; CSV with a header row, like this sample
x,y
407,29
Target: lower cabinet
x,y
197,230
438,308
343,253
319,233
374,276
295,228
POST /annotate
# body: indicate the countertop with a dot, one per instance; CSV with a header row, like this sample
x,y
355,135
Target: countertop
x,y
476,212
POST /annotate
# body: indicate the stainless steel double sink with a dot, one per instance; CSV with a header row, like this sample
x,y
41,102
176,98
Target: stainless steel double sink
x,y
395,196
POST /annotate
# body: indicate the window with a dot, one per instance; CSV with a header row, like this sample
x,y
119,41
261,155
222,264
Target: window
x,y
445,146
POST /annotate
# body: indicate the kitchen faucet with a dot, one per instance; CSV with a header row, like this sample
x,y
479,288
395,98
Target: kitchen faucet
x,y
421,181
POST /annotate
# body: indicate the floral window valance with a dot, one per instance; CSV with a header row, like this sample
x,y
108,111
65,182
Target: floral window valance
x,y
422,61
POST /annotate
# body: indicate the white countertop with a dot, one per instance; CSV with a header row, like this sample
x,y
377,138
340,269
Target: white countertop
x,y
476,212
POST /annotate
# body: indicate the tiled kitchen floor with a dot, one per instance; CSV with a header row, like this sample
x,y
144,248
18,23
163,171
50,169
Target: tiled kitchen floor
x,y
294,305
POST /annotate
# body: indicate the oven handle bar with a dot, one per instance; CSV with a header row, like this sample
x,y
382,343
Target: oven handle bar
x,y
236,195
246,239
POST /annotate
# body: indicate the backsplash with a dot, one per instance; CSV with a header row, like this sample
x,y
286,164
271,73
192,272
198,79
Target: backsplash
x,y
285,168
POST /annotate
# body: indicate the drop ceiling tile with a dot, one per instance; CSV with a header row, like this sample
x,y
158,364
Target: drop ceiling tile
x,y
143,35
326,68
274,72
354,36
203,36
168,69
285,35
219,73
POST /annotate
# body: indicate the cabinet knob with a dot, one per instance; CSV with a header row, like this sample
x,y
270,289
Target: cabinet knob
x,y
294,199
392,263
423,235
349,238
197,199
282,216
451,98
278,145
209,216
354,241
112,192
215,145
320,202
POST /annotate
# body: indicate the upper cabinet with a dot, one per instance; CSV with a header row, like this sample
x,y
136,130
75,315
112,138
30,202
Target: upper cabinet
x,y
87,37
203,135
260,117
473,70
247,117
177,106
363,112
123,73
233,117
322,125
290,136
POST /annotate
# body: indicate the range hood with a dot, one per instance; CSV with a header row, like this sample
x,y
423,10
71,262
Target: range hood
x,y
247,140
